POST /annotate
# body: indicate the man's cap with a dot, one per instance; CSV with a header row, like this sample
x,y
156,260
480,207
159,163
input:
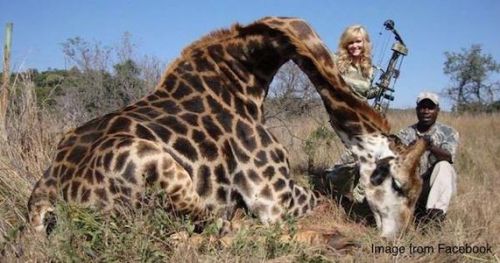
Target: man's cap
x,y
428,96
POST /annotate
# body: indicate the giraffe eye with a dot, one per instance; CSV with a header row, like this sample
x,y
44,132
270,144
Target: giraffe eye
x,y
382,171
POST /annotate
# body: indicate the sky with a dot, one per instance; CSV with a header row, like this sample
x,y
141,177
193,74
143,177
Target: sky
x,y
163,28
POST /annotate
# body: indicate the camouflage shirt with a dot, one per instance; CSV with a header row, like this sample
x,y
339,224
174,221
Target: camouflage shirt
x,y
443,136
362,86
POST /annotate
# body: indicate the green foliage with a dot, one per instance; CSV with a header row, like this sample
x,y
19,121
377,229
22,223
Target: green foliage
x,y
320,136
469,72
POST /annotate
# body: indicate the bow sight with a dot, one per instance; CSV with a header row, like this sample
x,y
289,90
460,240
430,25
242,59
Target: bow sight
x,y
385,89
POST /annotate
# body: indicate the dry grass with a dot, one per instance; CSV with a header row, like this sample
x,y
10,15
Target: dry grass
x,y
83,235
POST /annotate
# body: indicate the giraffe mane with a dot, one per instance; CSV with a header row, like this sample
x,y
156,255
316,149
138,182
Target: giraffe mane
x,y
215,36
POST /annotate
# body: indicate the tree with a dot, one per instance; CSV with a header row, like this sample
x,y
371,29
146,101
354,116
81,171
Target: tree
x,y
470,72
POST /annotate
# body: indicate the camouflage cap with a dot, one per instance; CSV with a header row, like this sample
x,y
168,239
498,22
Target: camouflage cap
x,y
429,96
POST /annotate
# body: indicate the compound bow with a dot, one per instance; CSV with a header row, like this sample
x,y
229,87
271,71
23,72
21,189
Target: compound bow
x,y
385,89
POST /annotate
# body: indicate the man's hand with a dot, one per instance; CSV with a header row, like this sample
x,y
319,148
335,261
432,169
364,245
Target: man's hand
x,y
440,154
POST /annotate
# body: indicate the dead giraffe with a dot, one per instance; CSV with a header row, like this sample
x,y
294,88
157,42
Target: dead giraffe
x,y
200,137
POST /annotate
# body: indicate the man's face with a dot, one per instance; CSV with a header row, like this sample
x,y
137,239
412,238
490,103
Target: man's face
x,y
427,112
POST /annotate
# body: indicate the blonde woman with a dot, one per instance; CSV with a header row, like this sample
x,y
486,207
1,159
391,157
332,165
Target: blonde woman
x,y
354,61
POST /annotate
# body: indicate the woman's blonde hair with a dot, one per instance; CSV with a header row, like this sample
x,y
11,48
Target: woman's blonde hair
x,y
344,59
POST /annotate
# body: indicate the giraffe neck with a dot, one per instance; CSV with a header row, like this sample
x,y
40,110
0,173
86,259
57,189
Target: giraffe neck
x,y
350,116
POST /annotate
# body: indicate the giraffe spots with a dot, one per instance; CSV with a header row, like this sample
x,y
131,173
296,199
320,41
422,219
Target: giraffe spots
x,y
61,155
90,137
198,136
240,109
224,117
284,171
266,193
220,175
74,189
194,81
120,161
160,131
50,183
221,195
181,91
253,110
279,185
169,82
191,119
123,143
256,91
269,172
241,181
144,149
149,112
99,177
245,134
168,106
240,153
202,64
204,185
174,124
216,52
228,156
212,129
260,159
129,173
107,144
265,139
144,133
76,154
107,161
113,187
236,51
285,198
89,176
194,105
120,124
214,105
214,83
101,194
85,194
302,199
254,177
208,150
184,147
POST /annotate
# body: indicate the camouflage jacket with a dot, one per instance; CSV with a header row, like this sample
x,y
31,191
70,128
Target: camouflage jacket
x,y
441,135
362,86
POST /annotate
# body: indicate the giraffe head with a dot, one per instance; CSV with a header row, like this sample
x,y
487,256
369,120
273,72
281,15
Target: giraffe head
x,y
391,183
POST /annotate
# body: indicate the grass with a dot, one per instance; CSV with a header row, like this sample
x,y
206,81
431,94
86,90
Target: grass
x,y
151,235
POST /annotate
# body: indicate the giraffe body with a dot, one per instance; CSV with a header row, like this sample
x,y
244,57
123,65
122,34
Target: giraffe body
x,y
200,137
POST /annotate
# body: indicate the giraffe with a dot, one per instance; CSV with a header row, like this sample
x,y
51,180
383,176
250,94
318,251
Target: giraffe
x,y
200,137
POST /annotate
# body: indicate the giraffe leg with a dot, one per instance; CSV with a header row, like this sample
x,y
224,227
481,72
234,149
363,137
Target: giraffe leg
x,y
180,190
41,204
